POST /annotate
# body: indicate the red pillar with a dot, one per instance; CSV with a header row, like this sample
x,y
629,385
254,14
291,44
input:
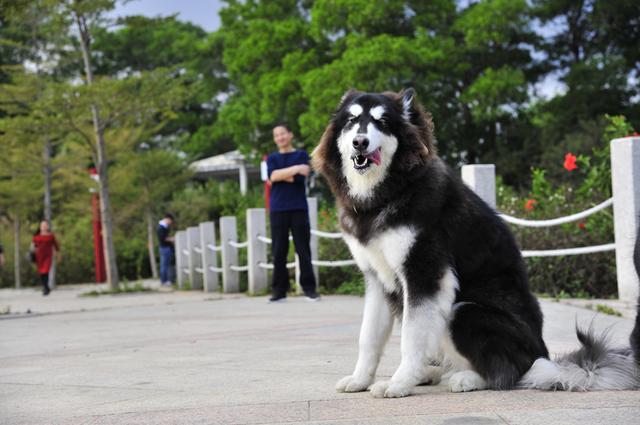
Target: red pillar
x,y
98,249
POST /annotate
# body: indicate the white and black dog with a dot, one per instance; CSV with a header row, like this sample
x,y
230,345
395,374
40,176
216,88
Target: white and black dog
x,y
434,254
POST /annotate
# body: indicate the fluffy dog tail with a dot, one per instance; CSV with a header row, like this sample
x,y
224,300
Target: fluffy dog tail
x,y
594,366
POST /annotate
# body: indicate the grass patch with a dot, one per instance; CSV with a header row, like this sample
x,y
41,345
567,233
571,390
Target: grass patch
x,y
563,295
262,293
355,287
124,288
186,286
602,308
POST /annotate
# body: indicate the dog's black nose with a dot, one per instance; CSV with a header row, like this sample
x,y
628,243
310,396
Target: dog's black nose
x,y
360,143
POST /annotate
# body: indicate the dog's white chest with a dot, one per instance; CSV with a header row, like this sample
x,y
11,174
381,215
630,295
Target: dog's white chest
x,y
385,254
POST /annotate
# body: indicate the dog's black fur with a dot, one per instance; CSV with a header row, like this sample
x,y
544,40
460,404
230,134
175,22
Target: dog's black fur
x,y
497,324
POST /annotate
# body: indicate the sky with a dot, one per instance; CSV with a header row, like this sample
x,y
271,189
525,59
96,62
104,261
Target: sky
x,y
200,12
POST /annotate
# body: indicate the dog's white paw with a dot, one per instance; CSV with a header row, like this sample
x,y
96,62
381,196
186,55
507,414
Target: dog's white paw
x,y
353,384
467,380
388,389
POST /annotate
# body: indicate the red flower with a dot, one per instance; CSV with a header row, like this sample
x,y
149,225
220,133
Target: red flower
x,y
530,204
582,226
635,134
570,162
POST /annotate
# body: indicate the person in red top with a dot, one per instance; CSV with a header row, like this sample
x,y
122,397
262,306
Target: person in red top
x,y
45,245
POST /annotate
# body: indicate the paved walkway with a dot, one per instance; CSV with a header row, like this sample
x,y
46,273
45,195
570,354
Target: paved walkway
x,y
194,358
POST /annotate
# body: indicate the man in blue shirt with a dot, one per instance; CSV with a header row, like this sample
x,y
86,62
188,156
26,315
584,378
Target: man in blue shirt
x,y
167,254
287,170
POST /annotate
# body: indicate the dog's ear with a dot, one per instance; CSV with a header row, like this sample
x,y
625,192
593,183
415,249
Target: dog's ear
x,y
319,156
407,97
414,114
347,96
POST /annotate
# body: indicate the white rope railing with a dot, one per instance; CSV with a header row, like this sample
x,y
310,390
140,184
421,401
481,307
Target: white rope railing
x,y
239,268
238,244
268,241
216,269
269,266
197,249
326,234
556,221
214,248
199,269
186,252
570,251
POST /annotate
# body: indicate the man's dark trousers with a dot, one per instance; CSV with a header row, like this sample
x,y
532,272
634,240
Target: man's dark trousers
x,y
298,222
167,269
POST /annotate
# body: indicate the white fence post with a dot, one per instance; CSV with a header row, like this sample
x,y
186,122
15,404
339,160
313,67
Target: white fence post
x,y
481,178
229,232
257,250
625,176
313,222
181,263
194,258
209,256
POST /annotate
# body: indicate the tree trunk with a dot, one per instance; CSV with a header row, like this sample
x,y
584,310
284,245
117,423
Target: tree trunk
x,y
101,166
152,250
48,173
105,208
16,252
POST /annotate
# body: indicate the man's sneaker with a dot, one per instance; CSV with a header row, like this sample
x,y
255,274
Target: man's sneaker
x,y
314,297
277,298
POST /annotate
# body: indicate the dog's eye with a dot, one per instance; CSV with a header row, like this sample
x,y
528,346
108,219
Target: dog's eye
x,y
352,119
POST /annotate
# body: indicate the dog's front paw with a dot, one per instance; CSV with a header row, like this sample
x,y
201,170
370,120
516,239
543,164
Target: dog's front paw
x,y
379,388
388,389
353,384
467,380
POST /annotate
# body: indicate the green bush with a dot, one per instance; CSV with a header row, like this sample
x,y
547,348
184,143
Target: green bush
x,y
355,287
590,275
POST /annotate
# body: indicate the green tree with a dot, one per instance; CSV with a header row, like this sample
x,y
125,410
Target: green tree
x,y
144,185
142,44
292,61
20,181
132,110
594,51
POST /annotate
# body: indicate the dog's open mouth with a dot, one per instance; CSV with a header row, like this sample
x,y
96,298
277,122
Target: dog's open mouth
x,y
362,162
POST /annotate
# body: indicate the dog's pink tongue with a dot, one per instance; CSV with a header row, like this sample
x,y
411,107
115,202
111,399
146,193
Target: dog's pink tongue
x,y
375,156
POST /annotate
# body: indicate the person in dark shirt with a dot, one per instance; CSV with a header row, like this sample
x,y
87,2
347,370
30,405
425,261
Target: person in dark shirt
x,y
167,250
1,256
287,170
